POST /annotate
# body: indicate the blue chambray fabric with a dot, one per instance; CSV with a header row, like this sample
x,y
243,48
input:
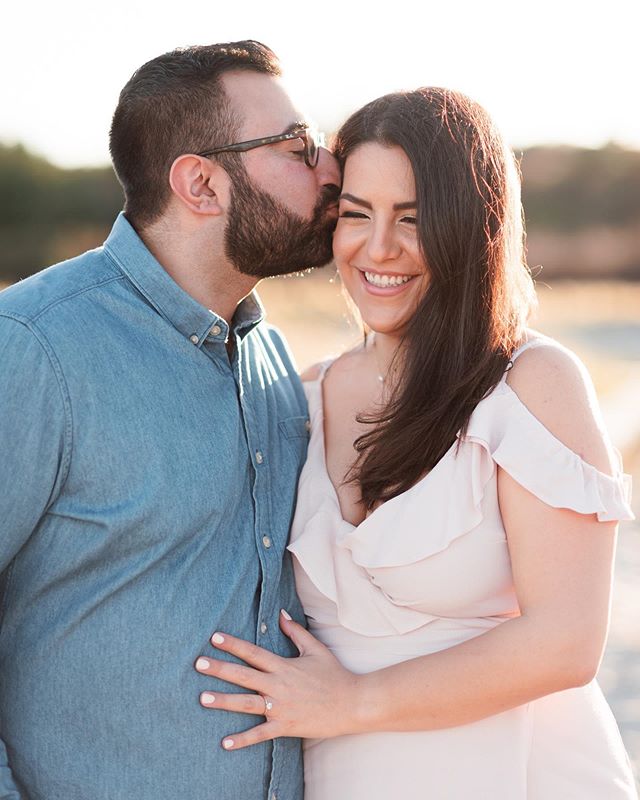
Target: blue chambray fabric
x,y
147,485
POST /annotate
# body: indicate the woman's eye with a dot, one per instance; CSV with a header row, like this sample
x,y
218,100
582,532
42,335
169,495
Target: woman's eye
x,y
409,220
353,215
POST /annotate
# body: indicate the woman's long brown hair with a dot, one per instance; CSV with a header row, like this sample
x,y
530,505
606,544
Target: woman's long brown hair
x,y
461,337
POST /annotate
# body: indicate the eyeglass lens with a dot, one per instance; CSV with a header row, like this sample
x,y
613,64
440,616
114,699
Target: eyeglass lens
x,y
312,147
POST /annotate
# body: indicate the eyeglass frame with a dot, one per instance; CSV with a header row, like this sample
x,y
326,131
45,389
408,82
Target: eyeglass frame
x,y
304,132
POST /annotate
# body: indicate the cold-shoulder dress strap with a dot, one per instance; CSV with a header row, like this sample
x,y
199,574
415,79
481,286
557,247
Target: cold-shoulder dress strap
x,y
312,385
530,344
323,366
534,339
316,373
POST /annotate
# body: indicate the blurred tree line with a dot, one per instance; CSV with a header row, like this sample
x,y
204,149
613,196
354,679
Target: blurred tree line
x,y
582,209
48,214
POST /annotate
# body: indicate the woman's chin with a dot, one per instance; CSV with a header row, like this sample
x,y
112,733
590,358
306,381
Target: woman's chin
x,y
384,326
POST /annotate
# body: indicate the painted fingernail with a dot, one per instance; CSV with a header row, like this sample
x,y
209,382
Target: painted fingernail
x,y
285,614
227,744
217,638
203,663
207,698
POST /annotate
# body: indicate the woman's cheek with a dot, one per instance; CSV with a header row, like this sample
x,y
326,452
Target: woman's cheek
x,y
345,244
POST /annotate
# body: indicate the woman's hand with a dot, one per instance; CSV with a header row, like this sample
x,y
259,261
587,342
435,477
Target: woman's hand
x,y
312,696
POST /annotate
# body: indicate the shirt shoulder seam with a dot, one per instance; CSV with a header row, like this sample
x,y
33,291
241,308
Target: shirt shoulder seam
x,y
75,294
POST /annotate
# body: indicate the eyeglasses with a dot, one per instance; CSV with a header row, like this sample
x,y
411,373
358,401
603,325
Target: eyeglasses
x,y
311,139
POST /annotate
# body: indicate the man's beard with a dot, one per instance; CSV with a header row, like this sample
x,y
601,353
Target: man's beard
x,y
264,238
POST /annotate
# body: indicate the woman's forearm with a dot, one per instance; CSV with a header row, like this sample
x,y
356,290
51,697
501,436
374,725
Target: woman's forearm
x,y
562,564
314,696
514,663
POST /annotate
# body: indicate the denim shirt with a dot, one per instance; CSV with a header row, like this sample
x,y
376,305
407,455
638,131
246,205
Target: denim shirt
x,y
147,485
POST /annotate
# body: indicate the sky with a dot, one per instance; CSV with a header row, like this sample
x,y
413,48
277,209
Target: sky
x,y
552,71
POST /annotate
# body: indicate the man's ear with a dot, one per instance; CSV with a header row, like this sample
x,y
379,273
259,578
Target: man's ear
x,y
202,185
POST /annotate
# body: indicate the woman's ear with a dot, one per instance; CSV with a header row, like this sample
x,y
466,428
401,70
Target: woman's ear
x,y
202,185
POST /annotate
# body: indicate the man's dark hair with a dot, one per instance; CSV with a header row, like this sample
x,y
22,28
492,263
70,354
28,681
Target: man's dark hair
x,y
172,105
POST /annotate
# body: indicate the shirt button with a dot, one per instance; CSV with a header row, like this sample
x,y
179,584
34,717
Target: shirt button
x,y
216,330
259,457
263,627
194,338
266,541
307,425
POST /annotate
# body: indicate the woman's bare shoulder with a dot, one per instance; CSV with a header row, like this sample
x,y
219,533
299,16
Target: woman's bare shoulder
x,y
555,386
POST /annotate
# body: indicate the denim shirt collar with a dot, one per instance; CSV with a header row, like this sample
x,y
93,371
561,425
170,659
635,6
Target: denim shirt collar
x,y
193,320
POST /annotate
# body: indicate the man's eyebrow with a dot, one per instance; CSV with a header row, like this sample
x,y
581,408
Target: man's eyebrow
x,y
295,126
365,204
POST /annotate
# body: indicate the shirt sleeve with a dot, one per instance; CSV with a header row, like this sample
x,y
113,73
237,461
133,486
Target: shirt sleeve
x,y
35,426
35,431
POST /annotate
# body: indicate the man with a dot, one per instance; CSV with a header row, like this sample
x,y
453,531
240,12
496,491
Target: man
x,y
152,429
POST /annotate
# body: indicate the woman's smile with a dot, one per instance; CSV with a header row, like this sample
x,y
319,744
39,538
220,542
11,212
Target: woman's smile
x,y
385,284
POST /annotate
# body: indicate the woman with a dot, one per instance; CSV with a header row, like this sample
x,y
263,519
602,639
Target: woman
x,y
455,567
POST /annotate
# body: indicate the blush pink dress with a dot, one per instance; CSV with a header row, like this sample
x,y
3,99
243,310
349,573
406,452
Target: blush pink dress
x,y
428,570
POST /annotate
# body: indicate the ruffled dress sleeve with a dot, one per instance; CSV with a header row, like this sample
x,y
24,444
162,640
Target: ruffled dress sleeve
x,y
519,443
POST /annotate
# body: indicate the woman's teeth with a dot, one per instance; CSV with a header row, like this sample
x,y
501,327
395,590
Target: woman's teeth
x,y
386,280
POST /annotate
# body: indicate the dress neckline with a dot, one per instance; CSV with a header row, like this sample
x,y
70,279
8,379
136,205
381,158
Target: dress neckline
x,y
318,384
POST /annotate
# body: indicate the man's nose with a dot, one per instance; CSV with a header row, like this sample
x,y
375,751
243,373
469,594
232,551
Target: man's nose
x,y
327,169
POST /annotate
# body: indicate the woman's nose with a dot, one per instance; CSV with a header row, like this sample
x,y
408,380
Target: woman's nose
x,y
382,245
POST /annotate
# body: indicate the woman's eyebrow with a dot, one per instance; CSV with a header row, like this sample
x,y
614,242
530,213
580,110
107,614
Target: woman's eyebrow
x,y
365,204
353,199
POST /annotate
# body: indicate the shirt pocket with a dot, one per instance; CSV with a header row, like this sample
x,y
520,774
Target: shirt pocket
x,y
295,432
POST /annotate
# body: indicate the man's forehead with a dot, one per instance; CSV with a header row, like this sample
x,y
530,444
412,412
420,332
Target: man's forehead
x,y
262,102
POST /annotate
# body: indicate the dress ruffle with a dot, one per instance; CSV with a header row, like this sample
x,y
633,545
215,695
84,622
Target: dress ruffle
x,y
426,519
542,464
320,543
447,504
